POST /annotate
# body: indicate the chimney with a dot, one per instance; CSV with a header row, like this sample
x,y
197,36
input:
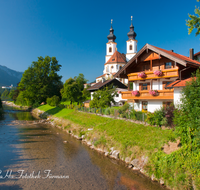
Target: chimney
x,y
192,53
171,50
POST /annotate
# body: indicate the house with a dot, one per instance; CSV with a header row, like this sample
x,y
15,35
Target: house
x,y
157,76
197,56
116,83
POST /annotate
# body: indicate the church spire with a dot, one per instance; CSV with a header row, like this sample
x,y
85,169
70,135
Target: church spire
x,y
111,37
131,34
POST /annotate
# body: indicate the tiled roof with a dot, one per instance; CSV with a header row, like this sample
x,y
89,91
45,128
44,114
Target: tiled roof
x,y
107,82
198,53
105,75
179,56
181,59
117,58
179,83
101,76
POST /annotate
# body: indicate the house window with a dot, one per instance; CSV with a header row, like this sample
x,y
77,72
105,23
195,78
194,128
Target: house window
x,y
110,49
166,104
144,105
120,67
130,47
165,83
144,86
168,65
111,67
146,67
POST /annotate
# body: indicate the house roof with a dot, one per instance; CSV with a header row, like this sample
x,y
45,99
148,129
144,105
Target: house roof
x,y
105,75
117,58
181,59
179,83
198,53
101,84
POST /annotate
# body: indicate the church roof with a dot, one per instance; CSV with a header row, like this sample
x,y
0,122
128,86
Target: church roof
x,y
117,58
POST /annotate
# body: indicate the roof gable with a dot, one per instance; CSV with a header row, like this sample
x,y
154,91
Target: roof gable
x,y
101,84
181,59
117,58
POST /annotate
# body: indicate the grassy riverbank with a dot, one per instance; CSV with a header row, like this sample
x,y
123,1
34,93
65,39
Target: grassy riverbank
x,y
179,169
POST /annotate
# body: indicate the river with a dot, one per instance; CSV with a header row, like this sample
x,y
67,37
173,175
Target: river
x,y
34,155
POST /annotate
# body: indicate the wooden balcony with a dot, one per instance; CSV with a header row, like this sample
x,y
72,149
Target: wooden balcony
x,y
166,73
144,95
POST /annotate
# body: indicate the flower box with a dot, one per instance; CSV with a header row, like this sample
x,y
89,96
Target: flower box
x,y
135,93
142,75
153,92
158,73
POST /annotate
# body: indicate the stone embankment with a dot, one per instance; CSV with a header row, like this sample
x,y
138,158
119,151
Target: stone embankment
x,y
133,164
11,104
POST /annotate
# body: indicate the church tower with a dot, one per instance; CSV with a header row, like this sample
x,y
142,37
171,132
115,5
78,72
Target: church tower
x,y
131,44
111,45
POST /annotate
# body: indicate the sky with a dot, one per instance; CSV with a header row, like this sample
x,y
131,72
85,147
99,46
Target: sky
x,y
75,32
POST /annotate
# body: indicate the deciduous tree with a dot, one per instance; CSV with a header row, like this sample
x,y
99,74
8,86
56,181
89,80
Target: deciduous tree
x,y
41,80
103,98
194,21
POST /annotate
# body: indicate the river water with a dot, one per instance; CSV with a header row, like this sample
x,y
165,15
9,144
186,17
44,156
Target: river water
x,y
34,156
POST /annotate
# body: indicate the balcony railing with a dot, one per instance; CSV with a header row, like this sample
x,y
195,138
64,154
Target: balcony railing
x,y
166,73
144,94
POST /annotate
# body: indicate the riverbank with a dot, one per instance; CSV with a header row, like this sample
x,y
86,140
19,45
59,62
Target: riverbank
x,y
142,148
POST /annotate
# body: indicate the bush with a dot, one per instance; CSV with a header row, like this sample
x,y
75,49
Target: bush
x,y
53,101
0,103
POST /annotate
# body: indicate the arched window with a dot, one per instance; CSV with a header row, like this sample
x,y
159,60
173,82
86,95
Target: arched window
x,y
130,47
120,67
110,49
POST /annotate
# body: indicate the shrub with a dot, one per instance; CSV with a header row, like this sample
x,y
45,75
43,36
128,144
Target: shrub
x,y
53,101
0,103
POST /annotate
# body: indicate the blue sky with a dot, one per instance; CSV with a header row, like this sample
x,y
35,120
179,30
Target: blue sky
x,y
75,32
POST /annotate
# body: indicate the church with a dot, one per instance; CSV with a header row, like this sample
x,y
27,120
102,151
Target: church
x,y
115,60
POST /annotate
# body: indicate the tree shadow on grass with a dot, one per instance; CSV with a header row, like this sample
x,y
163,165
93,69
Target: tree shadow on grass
x,y
53,111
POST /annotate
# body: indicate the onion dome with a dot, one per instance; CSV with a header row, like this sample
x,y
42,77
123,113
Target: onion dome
x,y
111,37
131,34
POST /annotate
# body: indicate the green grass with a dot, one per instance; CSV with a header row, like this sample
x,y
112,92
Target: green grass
x,y
124,132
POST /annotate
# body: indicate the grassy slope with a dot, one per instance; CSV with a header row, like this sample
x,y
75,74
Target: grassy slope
x,y
126,133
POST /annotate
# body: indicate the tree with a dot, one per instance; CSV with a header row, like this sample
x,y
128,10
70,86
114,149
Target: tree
x,y
103,98
70,91
41,80
73,89
187,117
5,94
194,21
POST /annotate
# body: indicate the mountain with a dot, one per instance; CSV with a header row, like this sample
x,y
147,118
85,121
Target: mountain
x,y
9,76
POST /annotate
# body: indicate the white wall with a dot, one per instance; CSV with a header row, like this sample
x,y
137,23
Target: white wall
x,y
154,105
177,95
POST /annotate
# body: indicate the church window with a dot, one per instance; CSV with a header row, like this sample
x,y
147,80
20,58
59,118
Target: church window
x,y
110,49
107,69
130,47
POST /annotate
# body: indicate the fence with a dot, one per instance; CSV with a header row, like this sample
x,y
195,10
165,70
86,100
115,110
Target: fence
x,y
128,114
